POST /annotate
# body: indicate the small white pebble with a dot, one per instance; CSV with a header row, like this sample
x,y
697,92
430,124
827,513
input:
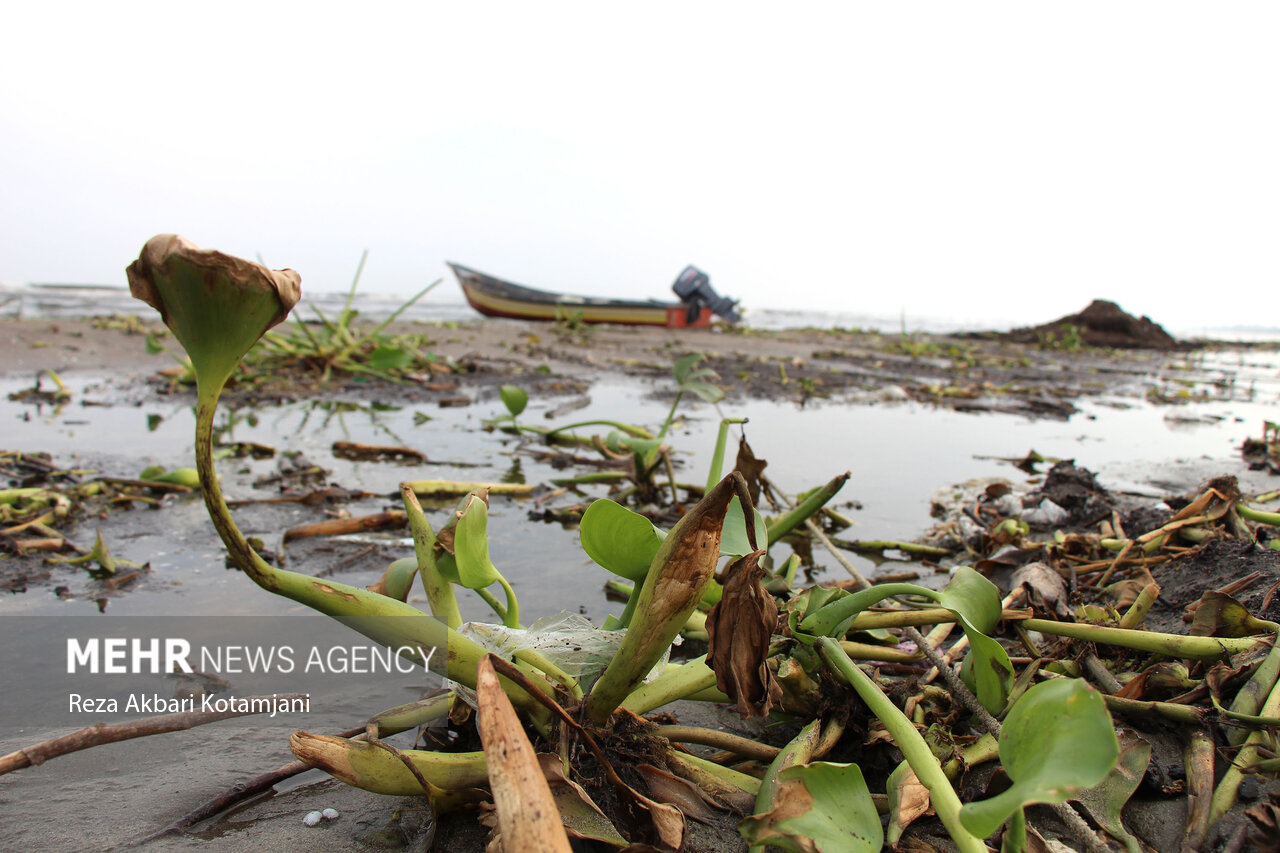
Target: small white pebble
x,y
329,814
311,819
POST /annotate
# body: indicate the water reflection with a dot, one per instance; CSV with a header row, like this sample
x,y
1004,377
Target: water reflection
x,y
899,455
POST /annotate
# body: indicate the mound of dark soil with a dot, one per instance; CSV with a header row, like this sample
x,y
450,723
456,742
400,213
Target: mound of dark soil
x,y
1102,324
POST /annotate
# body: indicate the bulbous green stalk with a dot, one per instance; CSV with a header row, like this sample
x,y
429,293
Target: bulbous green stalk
x,y
363,765
678,576
680,682
218,306
383,619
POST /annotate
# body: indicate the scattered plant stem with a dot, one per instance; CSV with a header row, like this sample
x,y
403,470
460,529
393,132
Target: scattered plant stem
x,y
103,733
736,744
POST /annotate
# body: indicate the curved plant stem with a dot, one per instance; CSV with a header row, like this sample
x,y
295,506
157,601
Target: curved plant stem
x,y
1174,645
629,429
914,748
495,605
718,739
717,457
684,680
709,775
394,623
553,672
1224,796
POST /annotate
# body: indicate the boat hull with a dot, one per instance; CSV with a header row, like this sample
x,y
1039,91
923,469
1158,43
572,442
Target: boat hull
x,y
494,297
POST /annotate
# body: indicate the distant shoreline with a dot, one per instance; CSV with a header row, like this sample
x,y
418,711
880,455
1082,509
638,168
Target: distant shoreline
x,y
68,300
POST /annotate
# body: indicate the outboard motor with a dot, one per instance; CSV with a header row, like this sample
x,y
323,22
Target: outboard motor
x,y
693,286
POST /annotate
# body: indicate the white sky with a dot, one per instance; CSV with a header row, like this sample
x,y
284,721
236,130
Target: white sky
x,y
1005,160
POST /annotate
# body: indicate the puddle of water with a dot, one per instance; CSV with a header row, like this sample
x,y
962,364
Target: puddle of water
x,y
898,456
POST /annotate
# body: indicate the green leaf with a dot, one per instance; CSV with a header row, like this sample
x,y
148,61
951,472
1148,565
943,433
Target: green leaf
x,y
620,442
708,392
622,541
471,545
974,597
819,808
216,306
514,398
733,534
154,347
683,364
389,358
986,669
1057,741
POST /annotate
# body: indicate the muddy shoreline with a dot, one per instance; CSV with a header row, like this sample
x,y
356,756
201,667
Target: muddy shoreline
x,y
972,372
815,371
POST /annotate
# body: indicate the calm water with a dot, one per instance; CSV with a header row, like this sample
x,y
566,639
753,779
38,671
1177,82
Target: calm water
x,y
898,456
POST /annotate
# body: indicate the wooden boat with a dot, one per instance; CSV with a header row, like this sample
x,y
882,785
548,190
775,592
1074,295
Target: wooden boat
x,y
494,297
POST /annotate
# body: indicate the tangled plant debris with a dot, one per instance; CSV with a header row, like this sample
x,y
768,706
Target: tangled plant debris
x,y
43,502
1071,608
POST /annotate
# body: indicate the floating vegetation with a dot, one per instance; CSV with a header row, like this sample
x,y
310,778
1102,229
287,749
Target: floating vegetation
x,y
36,518
1071,668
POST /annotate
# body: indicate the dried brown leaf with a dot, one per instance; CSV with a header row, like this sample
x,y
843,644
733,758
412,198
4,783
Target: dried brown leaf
x,y
581,816
527,814
750,468
907,801
1046,588
675,791
740,628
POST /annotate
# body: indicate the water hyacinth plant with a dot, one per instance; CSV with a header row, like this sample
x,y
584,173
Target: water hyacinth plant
x,y
800,654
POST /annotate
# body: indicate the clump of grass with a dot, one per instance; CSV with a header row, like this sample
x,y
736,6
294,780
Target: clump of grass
x,y
335,346
1069,340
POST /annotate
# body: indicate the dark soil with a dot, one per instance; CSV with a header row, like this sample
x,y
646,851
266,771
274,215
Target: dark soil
x,y
1213,566
1101,324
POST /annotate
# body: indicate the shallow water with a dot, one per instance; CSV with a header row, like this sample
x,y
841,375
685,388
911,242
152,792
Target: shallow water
x,y
898,454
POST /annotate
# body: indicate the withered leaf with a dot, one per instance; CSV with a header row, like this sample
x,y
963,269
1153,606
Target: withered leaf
x,y
740,628
579,813
750,468
1046,588
527,815
908,800
676,791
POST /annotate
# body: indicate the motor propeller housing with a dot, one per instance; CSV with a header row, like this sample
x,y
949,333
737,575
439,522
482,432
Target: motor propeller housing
x,y
693,286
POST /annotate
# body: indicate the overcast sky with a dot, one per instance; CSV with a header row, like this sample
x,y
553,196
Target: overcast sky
x,y
1006,160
